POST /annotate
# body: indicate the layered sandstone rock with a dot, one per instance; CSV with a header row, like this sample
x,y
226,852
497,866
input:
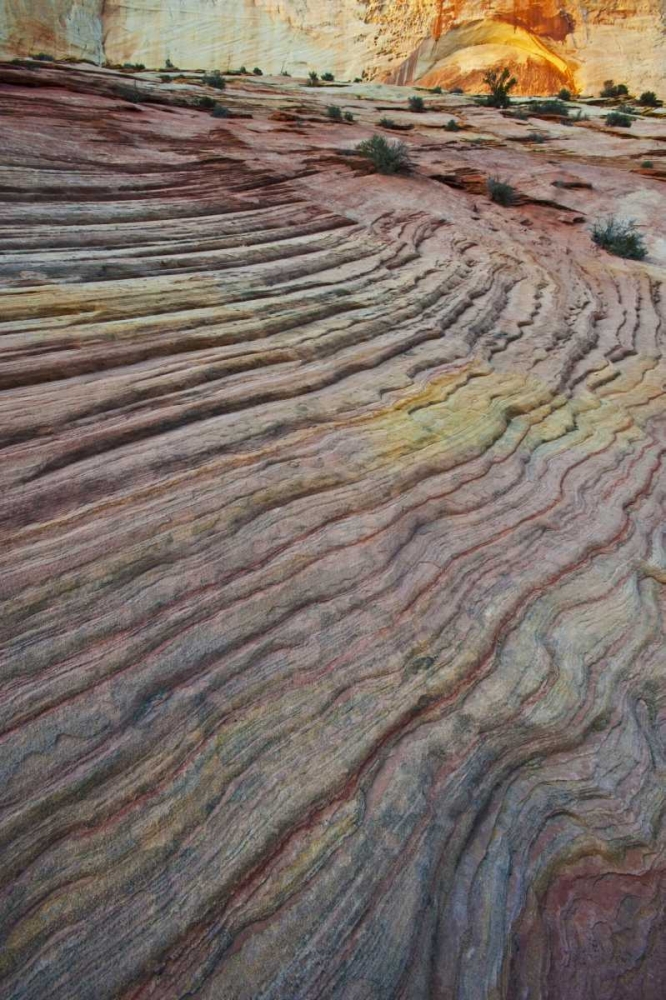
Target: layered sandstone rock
x,y
435,42
332,558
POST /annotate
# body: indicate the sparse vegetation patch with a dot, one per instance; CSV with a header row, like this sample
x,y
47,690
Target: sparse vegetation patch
x,y
386,156
619,237
501,192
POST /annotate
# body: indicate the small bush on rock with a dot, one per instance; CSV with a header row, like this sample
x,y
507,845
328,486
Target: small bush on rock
x,y
313,79
387,157
416,104
500,84
328,77
257,72
618,120
348,116
649,99
501,193
611,89
214,79
620,238
564,94
452,126
334,113
219,111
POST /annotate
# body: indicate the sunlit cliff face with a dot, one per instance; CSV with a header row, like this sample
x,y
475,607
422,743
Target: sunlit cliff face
x,y
434,42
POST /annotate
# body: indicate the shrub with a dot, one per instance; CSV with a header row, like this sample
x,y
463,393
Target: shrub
x,y
328,77
387,157
416,104
313,79
457,90
452,126
43,57
334,113
535,137
130,94
214,79
647,164
348,116
551,107
358,79
649,99
387,122
257,72
580,116
242,71
564,94
206,103
436,90
284,72
499,84
611,89
137,67
617,119
619,237
219,111
501,193
165,78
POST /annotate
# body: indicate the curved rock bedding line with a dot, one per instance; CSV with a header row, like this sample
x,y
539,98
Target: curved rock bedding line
x,y
333,562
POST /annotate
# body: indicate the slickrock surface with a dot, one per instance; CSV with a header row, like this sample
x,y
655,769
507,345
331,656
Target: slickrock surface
x,y
333,555
549,44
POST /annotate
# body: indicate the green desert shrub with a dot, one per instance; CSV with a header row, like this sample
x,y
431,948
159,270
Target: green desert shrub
x,y
334,112
219,111
348,116
416,104
214,79
579,116
501,192
452,126
500,84
206,103
618,120
436,90
257,72
649,99
647,164
611,89
43,57
549,107
328,77
564,94
313,79
535,137
619,237
457,90
387,157
387,122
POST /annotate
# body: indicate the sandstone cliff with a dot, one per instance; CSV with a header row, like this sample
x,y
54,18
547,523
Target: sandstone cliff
x,y
448,42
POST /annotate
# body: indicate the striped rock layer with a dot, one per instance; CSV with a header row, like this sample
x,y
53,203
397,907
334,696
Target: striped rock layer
x,y
333,553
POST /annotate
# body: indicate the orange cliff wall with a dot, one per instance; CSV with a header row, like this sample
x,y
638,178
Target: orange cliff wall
x,y
547,45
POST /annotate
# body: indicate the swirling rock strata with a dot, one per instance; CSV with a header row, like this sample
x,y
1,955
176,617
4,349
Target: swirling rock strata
x,y
333,561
